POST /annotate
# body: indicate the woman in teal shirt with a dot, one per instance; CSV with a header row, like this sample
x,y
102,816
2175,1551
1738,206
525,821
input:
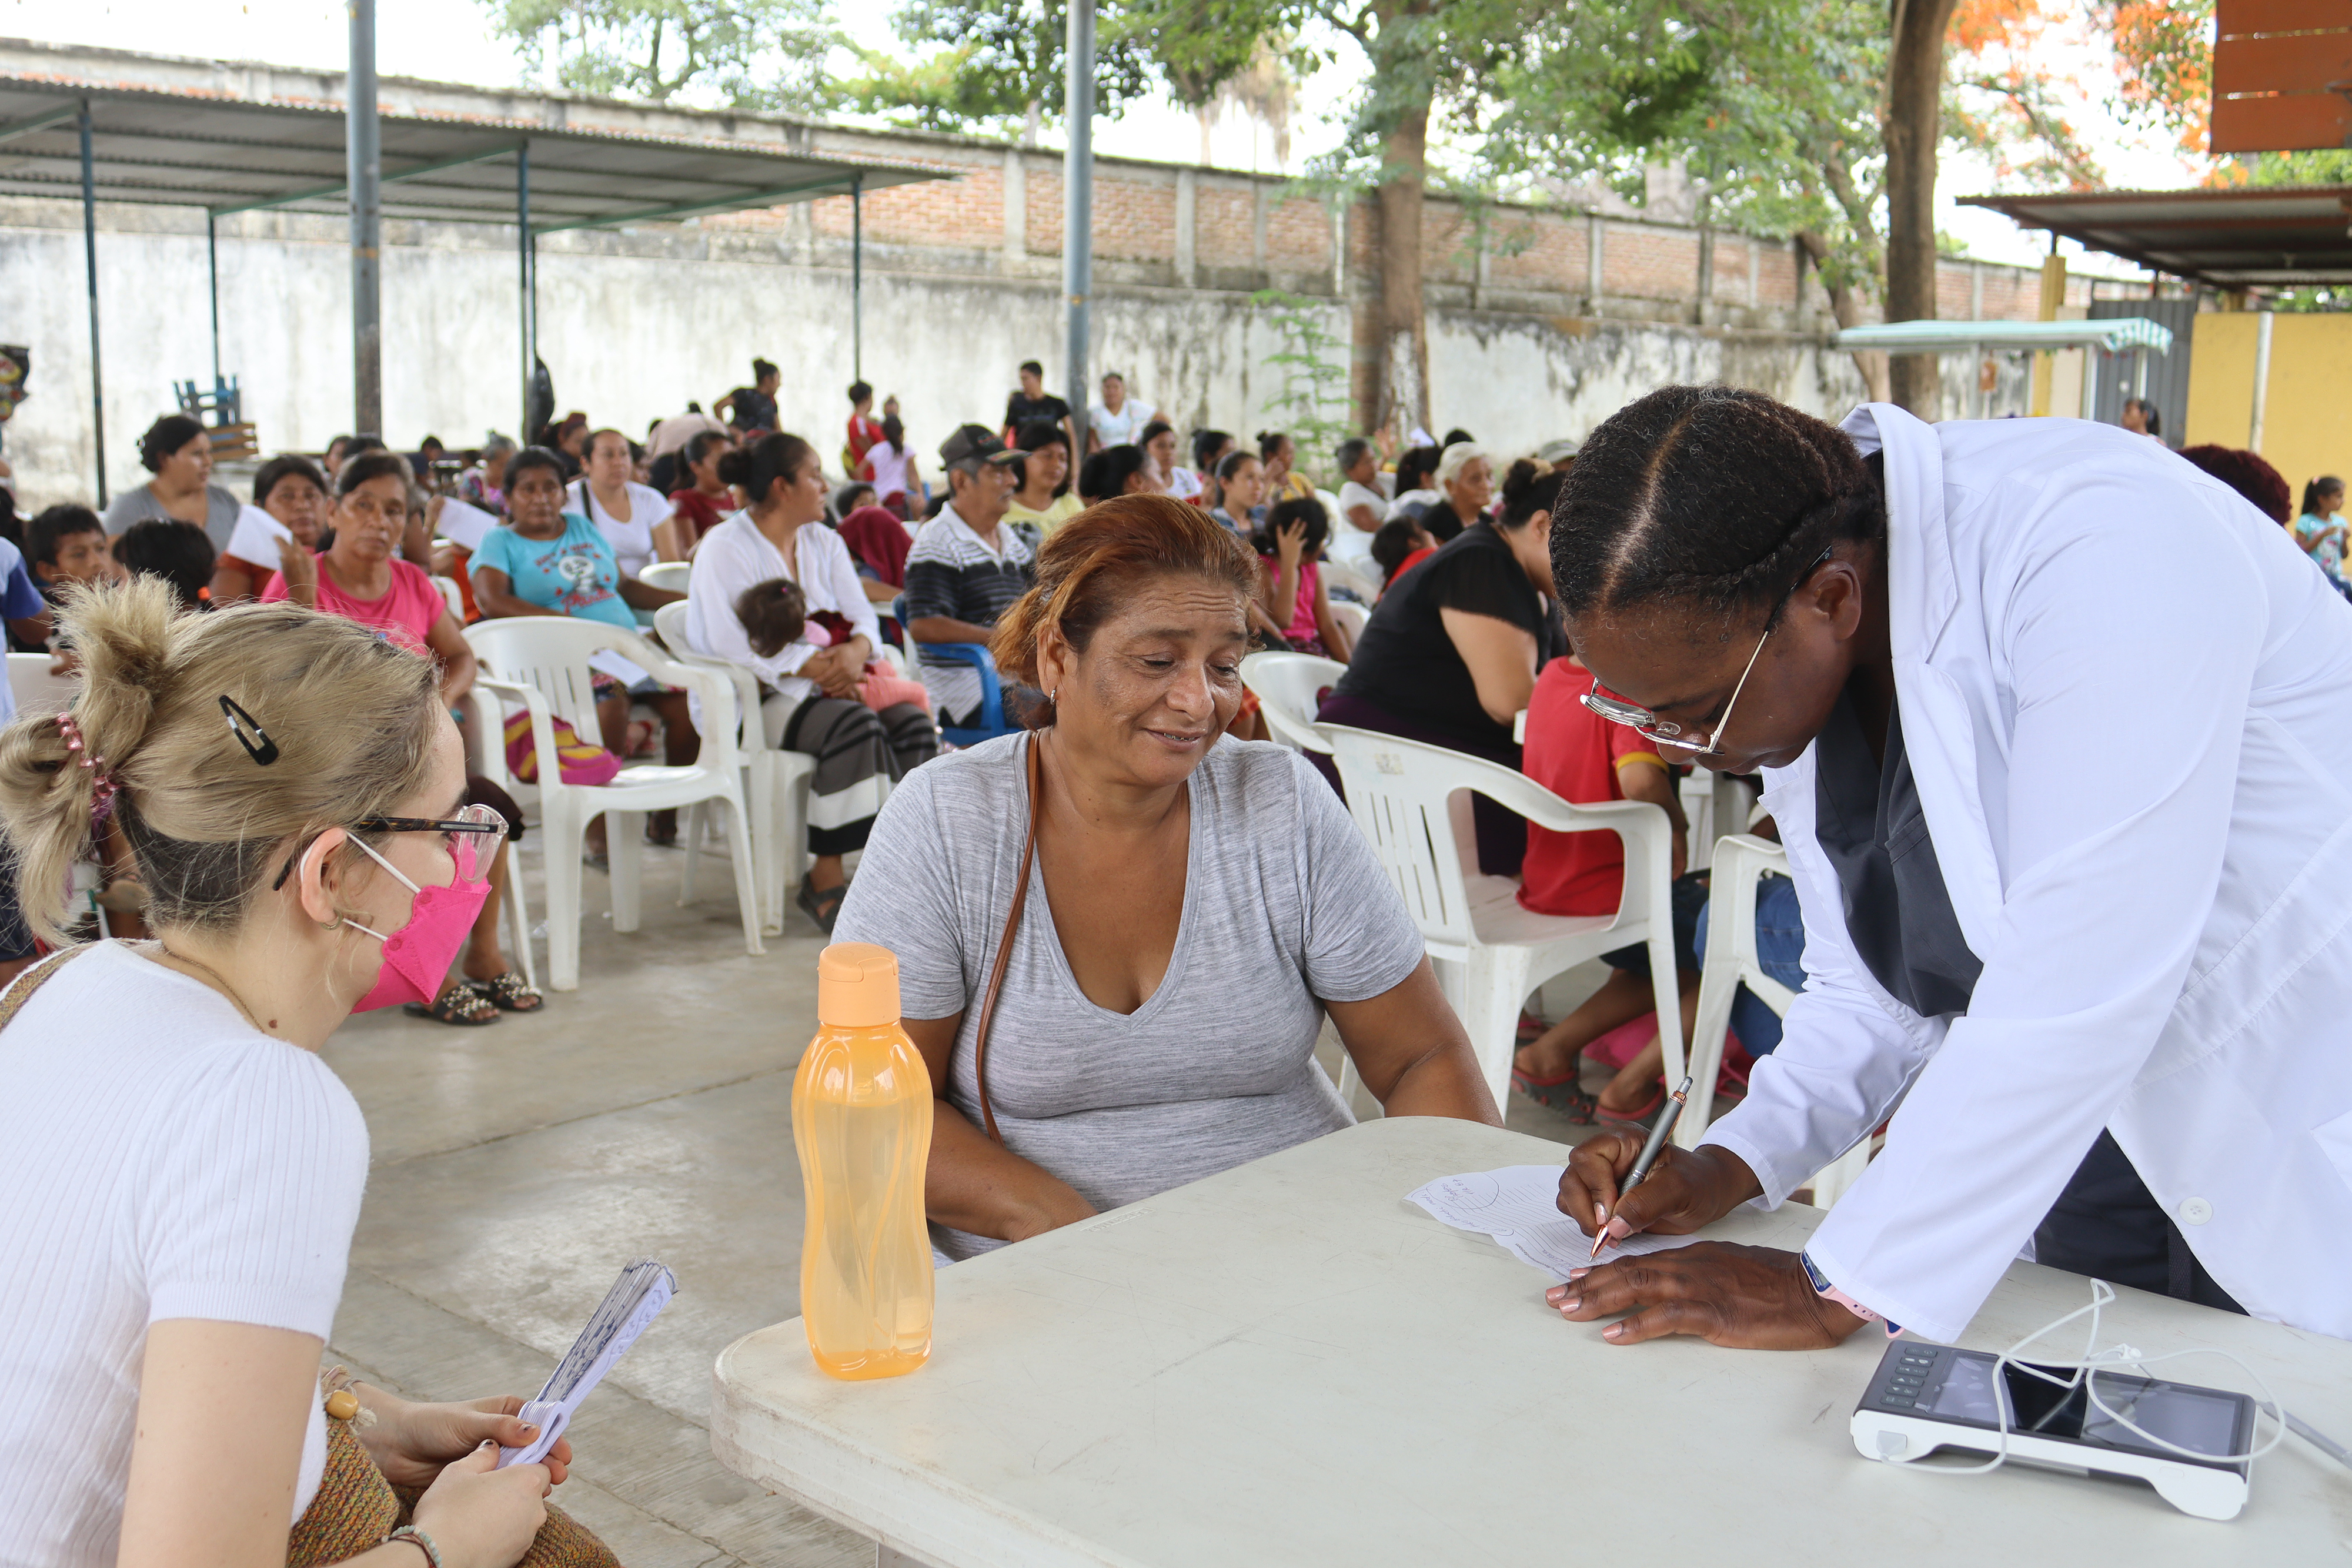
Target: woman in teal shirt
x,y
548,561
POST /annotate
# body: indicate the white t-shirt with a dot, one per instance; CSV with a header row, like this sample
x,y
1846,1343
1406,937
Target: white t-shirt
x,y
633,541
887,465
1183,484
1351,496
1121,429
160,1159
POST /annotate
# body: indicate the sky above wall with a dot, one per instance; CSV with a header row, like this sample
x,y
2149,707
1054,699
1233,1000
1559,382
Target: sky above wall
x,y
450,40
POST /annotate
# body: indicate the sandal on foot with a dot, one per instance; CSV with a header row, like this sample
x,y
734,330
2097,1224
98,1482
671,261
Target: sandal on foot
x,y
1640,1118
510,993
1558,1093
822,905
461,1005
661,828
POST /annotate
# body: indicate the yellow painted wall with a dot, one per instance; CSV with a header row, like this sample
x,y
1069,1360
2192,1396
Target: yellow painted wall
x,y
2308,423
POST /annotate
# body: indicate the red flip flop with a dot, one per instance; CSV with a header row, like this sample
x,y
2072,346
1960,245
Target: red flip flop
x,y
1640,1118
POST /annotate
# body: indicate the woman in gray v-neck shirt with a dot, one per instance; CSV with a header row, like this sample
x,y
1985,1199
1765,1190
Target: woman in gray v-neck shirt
x,y
1282,911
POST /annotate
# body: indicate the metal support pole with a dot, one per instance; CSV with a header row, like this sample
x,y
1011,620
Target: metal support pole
x,y
212,294
2261,383
858,276
1079,204
90,252
525,305
363,159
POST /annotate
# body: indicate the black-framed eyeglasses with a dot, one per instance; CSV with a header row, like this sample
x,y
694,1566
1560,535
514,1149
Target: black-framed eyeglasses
x,y
457,834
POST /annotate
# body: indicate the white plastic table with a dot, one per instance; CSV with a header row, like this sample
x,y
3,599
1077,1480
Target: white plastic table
x,y
1289,1363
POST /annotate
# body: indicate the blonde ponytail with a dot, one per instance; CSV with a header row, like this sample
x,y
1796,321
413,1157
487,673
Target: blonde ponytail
x,y
353,718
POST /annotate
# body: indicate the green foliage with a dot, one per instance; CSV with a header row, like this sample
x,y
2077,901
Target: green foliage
x,y
1772,104
1313,403
752,54
1004,55
1001,56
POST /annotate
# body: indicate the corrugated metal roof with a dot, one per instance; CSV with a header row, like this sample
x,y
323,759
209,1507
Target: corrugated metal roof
x,y
183,147
2248,237
2112,335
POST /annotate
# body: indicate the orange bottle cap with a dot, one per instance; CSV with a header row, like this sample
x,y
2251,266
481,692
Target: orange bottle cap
x,y
857,985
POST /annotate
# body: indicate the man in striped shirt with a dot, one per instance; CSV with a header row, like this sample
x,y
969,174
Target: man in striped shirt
x,y
965,568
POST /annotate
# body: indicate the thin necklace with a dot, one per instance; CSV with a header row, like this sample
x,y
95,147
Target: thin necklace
x,y
221,985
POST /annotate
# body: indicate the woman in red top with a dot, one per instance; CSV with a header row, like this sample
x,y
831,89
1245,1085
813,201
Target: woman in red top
x,y
1585,759
705,502
359,579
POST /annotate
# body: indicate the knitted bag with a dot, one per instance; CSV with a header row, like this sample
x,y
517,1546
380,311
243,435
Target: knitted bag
x,y
356,1508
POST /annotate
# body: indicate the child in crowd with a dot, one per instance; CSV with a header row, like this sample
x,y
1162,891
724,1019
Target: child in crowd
x,y
1585,759
67,544
1399,546
2320,529
1290,544
775,616
178,553
890,467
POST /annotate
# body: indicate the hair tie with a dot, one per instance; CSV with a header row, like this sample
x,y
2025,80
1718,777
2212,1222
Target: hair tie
x,y
101,783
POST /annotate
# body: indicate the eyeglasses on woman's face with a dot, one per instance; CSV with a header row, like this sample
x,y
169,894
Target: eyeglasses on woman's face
x,y
1659,731
470,838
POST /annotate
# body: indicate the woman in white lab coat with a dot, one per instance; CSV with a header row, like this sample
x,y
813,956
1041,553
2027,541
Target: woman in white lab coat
x,y
2052,725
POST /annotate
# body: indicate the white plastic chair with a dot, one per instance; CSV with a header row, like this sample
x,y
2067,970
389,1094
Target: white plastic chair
x,y
541,661
1352,618
778,782
1286,684
1730,961
669,574
452,597
1412,801
1360,575
1714,804
36,690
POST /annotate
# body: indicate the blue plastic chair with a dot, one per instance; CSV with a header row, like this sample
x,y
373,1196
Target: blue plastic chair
x,y
992,722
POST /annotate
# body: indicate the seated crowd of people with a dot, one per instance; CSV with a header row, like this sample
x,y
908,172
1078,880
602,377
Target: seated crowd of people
x,y
268,742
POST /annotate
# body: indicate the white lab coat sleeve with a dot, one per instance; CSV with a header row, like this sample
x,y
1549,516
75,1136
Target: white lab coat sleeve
x,y
723,570
2128,652
1848,1052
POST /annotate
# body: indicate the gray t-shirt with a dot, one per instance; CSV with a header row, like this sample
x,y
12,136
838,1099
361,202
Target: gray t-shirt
x,y
139,504
1283,903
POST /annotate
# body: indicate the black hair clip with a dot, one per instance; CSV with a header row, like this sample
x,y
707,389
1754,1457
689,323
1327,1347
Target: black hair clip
x,y
257,746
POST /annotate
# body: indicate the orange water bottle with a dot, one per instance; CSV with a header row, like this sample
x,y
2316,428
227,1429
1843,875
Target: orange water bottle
x,y
861,1119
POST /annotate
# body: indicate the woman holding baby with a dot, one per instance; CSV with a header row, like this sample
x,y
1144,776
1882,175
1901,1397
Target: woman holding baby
x,y
812,703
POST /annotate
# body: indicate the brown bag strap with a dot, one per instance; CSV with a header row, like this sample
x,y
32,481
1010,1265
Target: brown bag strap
x,y
20,991
1005,943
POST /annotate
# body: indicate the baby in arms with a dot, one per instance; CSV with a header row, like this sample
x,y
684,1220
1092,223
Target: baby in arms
x,y
775,616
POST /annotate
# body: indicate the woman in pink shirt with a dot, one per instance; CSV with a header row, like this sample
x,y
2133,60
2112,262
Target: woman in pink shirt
x,y
360,579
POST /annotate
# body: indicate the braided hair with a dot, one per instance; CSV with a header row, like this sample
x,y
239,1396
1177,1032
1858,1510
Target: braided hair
x,y
1712,496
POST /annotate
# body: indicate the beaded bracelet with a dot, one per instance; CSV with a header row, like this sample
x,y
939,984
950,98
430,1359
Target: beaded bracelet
x,y
418,1538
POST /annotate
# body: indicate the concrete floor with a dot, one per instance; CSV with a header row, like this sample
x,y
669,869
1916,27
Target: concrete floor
x,y
516,1167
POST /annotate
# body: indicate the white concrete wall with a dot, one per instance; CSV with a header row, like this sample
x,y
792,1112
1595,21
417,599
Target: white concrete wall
x,y
633,325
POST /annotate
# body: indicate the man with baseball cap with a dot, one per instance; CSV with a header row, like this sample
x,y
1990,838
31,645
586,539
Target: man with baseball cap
x,y
966,567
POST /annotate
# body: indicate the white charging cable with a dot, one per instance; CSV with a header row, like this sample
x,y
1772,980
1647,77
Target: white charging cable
x,y
2083,1373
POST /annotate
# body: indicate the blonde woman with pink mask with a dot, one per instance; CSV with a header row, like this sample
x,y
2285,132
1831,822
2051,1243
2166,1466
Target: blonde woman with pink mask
x,y
183,1171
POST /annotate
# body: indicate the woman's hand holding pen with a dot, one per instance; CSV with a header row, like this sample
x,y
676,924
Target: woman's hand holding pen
x,y
1686,1189
1752,1297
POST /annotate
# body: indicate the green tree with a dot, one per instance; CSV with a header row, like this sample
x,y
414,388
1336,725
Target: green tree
x,y
1424,60
753,53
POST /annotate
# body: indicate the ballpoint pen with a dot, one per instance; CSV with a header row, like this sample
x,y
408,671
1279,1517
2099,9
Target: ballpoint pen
x,y
1634,1178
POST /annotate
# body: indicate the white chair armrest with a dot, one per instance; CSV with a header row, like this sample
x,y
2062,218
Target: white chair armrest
x,y
542,724
751,736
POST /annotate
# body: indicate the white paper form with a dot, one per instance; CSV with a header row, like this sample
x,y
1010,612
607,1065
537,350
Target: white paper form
x,y
1518,1207
635,1299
